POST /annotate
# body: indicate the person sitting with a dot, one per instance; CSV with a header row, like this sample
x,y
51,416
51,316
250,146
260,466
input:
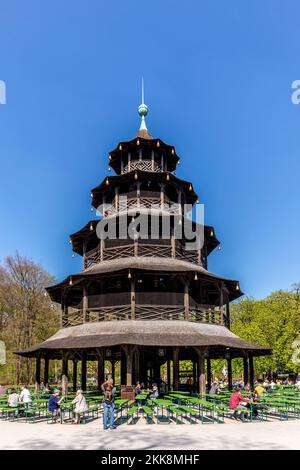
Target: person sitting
x,y
25,396
13,398
138,388
155,392
259,389
143,386
80,405
235,402
54,404
108,404
214,389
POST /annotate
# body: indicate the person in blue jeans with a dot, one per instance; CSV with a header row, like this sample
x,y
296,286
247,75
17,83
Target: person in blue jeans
x,y
108,404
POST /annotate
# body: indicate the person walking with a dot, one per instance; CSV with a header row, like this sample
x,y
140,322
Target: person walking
x,y
108,404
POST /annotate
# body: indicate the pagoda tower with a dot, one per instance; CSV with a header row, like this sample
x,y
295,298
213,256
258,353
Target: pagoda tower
x,y
144,299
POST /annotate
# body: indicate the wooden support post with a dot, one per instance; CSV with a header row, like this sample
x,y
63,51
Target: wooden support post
x,y
102,247
169,374
194,374
85,303
251,370
129,162
186,300
175,368
246,369
227,315
162,195
84,254
128,352
229,372
123,367
117,198
133,294
101,370
152,160
137,377
83,371
46,370
221,304
74,375
64,378
201,371
113,369
173,247
38,373
208,373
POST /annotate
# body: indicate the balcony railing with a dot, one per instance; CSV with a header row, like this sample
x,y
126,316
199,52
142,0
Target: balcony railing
x,y
138,203
139,249
203,314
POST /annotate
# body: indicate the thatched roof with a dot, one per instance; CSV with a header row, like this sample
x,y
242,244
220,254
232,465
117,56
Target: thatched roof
x,y
155,264
145,333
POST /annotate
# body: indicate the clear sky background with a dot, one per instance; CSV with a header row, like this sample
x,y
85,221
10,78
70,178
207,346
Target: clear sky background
x,y
218,85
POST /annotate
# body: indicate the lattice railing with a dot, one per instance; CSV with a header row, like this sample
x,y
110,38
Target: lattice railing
x,y
142,203
163,251
143,165
145,312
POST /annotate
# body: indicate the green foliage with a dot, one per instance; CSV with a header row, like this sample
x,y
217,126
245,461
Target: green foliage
x,y
273,322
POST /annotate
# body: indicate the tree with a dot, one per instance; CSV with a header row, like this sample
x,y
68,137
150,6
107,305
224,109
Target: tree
x,y
27,315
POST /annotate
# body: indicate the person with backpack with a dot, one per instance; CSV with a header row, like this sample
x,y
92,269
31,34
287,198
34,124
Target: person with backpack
x,y
108,403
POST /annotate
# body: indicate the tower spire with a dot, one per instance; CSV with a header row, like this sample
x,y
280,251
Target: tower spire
x,y
143,110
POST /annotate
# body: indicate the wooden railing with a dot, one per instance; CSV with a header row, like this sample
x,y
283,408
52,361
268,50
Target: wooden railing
x,y
202,314
139,249
148,203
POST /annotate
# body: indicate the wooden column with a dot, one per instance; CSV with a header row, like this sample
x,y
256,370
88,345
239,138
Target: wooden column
x,y
246,369
129,162
251,370
100,370
85,303
227,315
152,160
132,296
74,375
64,378
137,377
201,371
186,300
38,373
175,368
162,195
128,352
221,303
173,247
83,371
169,374
229,372
102,247
113,369
46,370
208,373
84,254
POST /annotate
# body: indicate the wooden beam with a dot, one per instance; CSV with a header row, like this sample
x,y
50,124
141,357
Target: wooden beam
x,y
38,373
229,372
74,375
46,370
186,300
208,373
85,303
175,368
132,296
83,371
246,369
201,371
251,370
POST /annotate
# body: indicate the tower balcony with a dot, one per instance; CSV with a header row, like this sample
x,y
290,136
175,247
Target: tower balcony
x,y
203,313
134,204
171,249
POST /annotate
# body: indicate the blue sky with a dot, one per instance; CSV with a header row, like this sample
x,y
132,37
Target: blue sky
x,y
218,85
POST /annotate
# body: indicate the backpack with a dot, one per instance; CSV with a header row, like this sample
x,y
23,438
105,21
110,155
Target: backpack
x,y
108,396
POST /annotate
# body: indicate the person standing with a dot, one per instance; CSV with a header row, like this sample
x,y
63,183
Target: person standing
x,y
108,404
25,396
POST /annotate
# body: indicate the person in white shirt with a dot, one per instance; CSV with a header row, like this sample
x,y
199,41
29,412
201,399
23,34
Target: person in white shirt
x,y
80,405
25,396
13,398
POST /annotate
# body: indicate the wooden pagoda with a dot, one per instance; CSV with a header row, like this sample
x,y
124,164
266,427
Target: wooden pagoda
x,y
140,301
